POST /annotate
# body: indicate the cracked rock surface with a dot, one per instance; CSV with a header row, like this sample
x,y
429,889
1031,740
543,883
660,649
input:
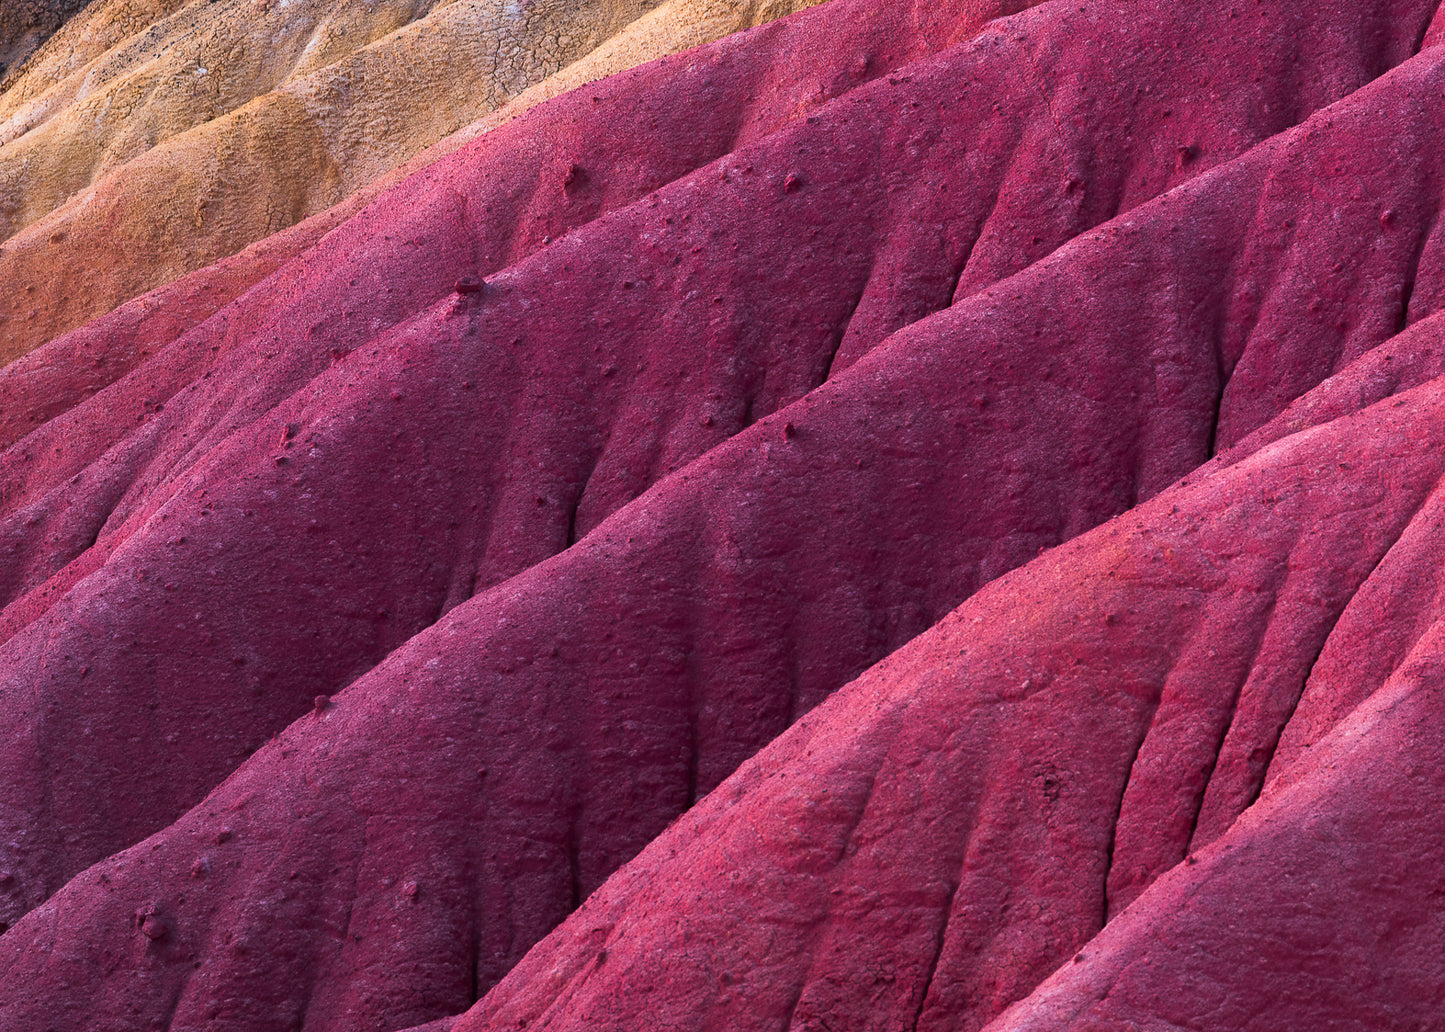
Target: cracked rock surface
x,y
25,25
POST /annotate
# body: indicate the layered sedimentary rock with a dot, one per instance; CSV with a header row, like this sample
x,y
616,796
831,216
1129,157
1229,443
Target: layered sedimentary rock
x,y
143,145
407,597
764,83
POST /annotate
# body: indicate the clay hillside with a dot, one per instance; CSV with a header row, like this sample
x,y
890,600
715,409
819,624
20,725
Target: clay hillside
x,y
915,516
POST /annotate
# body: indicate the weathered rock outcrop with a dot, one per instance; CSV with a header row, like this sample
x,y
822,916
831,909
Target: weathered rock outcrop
x,y
600,379
193,398
758,85
1084,742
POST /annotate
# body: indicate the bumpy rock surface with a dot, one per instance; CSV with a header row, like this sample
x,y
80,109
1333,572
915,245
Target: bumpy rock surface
x,y
144,144
1067,385
1192,764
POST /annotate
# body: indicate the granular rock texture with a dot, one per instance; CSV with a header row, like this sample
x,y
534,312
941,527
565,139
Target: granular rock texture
x,y
1189,765
903,518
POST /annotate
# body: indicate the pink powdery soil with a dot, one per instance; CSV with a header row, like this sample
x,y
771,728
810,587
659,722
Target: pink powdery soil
x,y
512,577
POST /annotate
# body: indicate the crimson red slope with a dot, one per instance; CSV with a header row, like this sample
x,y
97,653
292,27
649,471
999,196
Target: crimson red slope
x,y
1318,908
1096,167
938,837
716,645
502,201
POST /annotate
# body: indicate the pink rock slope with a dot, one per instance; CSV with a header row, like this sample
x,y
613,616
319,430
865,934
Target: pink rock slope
x,y
531,502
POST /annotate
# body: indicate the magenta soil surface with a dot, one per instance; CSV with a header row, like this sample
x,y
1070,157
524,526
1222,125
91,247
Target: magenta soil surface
x,y
920,518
